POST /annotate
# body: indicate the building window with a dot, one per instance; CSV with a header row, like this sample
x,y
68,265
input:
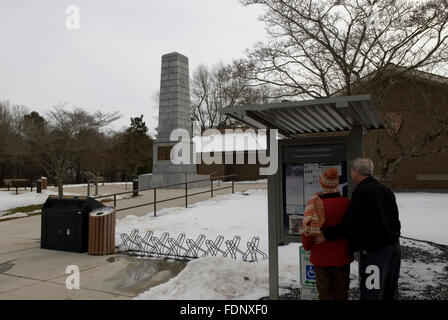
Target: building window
x,y
163,153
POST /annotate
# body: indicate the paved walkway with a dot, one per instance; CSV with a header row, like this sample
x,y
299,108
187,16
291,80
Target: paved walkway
x,y
28,272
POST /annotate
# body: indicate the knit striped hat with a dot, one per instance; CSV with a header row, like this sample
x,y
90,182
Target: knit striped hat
x,y
329,179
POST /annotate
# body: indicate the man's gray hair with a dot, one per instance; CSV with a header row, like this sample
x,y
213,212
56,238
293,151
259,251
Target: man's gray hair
x,y
364,166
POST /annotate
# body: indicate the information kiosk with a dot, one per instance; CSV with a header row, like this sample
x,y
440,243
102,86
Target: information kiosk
x,y
302,164
302,158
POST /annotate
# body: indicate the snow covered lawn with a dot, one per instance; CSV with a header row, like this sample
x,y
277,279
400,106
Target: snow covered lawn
x,y
227,215
422,215
243,214
10,200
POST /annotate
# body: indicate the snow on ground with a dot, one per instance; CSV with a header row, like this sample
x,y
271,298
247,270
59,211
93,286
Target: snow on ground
x,y
216,278
415,276
91,185
421,245
208,278
227,215
424,216
10,200
245,214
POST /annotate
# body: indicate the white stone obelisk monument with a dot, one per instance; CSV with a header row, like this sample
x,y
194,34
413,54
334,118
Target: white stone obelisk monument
x,y
174,113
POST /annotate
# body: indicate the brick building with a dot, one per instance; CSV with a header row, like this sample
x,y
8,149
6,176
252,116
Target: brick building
x,y
413,155
242,145
415,104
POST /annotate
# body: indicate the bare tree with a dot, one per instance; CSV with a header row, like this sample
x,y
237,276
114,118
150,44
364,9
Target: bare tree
x,y
6,134
5,128
322,48
316,48
217,87
11,126
58,144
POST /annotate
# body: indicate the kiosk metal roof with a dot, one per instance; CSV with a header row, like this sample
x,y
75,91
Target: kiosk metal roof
x,y
311,116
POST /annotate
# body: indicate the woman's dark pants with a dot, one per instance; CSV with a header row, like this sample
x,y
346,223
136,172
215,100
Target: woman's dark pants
x,y
333,282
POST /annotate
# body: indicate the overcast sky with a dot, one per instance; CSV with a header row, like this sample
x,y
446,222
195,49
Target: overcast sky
x,y
112,63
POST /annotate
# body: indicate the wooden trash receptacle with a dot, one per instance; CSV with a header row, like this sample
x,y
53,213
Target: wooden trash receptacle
x,y
102,231
44,183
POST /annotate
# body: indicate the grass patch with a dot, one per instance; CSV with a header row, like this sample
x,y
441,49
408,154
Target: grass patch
x,y
25,209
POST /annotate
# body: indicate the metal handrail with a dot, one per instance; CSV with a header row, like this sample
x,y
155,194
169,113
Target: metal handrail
x,y
165,186
212,179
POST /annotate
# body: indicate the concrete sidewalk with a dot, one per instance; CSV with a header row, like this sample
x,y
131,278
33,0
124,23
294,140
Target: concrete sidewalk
x,y
28,272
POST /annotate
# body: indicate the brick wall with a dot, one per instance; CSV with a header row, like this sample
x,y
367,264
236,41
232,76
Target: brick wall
x,y
421,104
245,172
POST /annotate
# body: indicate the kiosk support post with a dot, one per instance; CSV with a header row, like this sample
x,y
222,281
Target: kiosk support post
x,y
302,157
272,230
273,241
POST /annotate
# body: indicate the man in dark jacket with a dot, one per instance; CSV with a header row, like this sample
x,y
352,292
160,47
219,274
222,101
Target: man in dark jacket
x,y
372,227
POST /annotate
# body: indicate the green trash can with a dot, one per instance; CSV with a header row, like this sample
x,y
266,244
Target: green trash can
x,y
65,223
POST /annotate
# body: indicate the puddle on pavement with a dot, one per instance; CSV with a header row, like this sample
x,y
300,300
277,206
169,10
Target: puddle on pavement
x,y
141,274
6,266
112,259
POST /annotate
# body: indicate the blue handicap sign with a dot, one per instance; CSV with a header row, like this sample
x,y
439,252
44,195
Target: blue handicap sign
x,y
307,272
310,274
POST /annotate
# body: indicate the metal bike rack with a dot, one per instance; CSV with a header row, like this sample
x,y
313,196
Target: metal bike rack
x,y
170,247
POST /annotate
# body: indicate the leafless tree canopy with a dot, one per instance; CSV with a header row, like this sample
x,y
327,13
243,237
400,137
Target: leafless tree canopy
x,y
322,48
73,122
214,88
316,48
68,136
70,144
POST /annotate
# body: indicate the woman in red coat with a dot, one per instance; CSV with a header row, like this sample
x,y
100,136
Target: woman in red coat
x,y
331,259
